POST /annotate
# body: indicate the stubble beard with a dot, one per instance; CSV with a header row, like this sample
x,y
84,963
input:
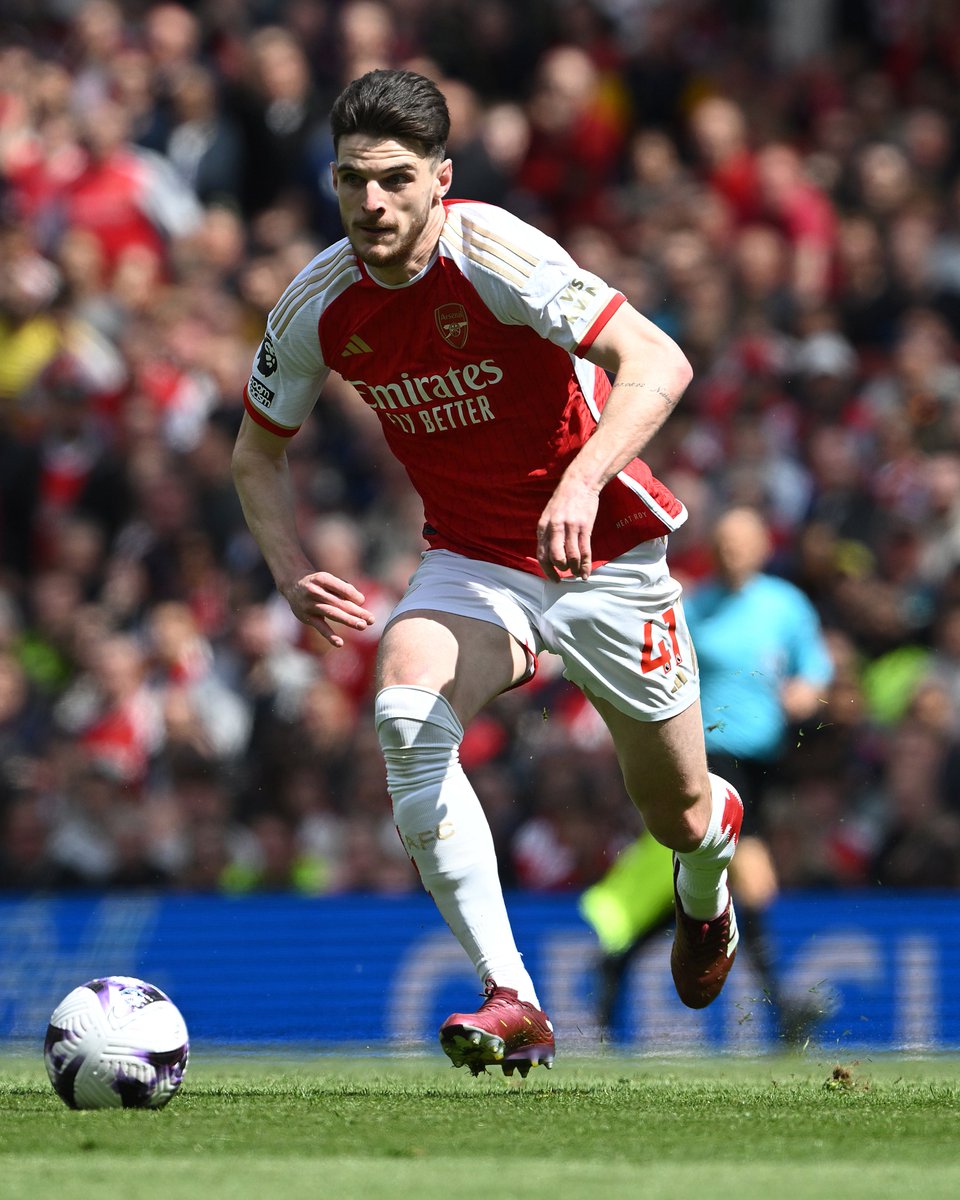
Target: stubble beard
x,y
398,255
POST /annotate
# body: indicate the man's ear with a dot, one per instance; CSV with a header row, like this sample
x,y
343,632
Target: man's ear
x,y
444,177
333,176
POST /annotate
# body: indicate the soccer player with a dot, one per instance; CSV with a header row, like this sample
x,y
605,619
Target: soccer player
x,y
485,350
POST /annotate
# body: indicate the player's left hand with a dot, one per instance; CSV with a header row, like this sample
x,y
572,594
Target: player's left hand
x,y
564,530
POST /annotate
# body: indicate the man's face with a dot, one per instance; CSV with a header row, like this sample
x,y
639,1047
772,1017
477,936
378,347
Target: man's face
x,y
741,545
390,203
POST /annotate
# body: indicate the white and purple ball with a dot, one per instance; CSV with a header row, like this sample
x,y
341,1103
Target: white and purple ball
x,y
116,1042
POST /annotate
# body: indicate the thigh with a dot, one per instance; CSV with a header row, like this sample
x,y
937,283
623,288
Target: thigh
x,y
468,661
463,628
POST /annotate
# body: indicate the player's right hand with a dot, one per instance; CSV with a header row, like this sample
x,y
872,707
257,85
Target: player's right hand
x,y
320,597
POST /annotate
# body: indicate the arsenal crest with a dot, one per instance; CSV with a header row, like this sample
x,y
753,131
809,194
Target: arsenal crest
x,y
452,322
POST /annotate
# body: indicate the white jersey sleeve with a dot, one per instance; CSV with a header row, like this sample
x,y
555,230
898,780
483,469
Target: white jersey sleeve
x,y
289,371
525,277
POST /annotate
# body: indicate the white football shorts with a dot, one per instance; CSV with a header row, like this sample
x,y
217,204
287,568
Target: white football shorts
x,y
621,634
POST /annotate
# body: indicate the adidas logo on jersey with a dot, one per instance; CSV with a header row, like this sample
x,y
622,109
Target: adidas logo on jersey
x,y
356,345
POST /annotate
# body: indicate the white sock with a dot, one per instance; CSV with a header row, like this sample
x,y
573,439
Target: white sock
x,y
445,830
702,877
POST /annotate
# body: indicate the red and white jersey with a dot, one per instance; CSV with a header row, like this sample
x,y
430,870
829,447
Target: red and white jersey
x,y
475,368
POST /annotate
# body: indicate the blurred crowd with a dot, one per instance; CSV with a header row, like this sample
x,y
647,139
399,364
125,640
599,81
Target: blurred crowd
x,y
781,195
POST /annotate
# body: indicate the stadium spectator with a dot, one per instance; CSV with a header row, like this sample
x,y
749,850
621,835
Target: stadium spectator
x,y
720,133
98,32
200,710
576,137
46,643
283,121
204,144
100,839
803,213
917,835
31,335
132,201
480,175
109,711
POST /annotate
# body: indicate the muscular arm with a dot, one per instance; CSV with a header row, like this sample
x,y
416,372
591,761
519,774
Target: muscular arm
x,y
262,480
650,375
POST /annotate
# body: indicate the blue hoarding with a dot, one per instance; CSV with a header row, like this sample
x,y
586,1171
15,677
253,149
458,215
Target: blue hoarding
x,y
884,968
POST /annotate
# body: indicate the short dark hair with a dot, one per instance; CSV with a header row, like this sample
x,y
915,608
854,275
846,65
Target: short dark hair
x,y
393,104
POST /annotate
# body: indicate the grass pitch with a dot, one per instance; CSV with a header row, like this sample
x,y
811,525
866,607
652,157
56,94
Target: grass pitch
x,y
249,1125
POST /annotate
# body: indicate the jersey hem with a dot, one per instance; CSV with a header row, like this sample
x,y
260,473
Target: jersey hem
x,y
530,565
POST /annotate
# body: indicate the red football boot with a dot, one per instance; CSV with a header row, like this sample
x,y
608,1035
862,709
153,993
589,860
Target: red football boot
x,y
504,1032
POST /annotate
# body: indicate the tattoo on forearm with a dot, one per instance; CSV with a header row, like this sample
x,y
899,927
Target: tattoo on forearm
x,y
648,387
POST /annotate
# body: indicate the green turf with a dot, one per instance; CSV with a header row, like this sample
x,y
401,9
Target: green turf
x,y
248,1126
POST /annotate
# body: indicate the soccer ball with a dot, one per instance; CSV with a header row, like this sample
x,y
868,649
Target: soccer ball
x,y
116,1042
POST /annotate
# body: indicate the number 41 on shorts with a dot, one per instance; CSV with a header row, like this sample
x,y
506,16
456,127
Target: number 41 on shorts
x,y
666,654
